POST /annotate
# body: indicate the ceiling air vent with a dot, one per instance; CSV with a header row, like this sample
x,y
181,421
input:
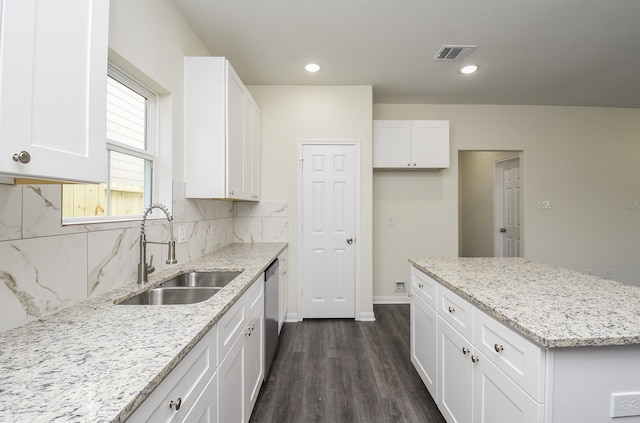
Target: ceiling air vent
x,y
453,52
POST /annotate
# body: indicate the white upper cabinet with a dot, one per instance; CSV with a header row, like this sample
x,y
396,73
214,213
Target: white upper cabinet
x,y
53,83
411,144
222,132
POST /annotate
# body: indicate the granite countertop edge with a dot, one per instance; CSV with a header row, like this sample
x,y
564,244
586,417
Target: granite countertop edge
x,y
86,334
519,320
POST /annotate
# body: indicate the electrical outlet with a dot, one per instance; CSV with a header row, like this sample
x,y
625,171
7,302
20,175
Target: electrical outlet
x,y
632,204
625,404
182,234
400,286
545,205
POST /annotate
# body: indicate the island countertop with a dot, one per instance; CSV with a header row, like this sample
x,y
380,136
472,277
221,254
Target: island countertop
x,y
98,361
551,306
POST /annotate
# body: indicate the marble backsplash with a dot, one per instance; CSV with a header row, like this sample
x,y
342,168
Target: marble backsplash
x,y
45,266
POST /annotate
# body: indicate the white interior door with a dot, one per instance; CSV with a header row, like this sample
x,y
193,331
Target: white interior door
x,y
509,208
328,219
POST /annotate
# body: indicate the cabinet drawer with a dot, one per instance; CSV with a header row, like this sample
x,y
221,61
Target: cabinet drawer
x,y
185,384
255,295
230,326
517,357
424,286
456,311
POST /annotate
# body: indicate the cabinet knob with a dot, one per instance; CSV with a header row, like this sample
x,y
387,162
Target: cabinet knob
x,y
408,164
498,347
465,350
420,285
410,295
23,157
475,358
177,404
452,310
414,164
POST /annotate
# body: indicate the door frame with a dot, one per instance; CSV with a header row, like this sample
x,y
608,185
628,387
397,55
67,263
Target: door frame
x,y
498,202
320,142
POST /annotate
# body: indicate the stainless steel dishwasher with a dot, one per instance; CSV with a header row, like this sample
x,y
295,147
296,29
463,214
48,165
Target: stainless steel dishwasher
x,y
271,314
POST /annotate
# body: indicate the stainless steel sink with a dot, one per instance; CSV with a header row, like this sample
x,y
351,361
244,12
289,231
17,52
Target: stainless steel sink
x,y
172,295
218,279
188,288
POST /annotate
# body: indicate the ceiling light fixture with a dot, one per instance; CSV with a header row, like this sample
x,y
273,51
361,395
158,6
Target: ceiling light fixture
x,y
312,67
469,69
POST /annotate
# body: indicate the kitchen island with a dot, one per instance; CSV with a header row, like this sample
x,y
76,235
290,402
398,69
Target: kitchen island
x,y
98,361
509,339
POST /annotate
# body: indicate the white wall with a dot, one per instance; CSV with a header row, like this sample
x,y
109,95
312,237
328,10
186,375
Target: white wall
x,y
585,160
292,113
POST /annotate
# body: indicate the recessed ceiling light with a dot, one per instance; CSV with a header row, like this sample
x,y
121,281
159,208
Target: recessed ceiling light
x,y
469,69
312,67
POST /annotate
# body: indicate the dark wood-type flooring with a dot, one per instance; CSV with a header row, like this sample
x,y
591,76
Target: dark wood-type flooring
x,y
340,370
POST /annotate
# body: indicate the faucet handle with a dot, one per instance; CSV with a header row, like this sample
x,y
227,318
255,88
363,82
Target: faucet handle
x,y
150,268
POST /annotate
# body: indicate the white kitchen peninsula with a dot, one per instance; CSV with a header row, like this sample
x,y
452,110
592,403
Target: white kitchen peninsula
x,y
508,339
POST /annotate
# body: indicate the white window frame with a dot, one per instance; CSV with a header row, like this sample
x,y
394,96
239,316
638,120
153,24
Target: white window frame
x,y
158,149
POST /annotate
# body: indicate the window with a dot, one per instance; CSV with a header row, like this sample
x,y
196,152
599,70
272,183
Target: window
x,y
131,157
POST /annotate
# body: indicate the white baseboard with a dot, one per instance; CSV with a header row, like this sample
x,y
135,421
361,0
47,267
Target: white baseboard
x,y
392,299
367,316
291,318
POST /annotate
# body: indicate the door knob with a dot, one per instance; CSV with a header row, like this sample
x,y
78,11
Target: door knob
x,y
349,240
503,230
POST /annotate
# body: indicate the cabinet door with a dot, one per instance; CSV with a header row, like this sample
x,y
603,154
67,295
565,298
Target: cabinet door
x,y
424,342
252,127
231,390
430,143
205,409
237,181
53,78
497,399
284,285
392,144
254,360
454,374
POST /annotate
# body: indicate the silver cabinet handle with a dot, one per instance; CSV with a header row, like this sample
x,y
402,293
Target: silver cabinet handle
x,y
498,348
465,350
452,310
503,230
475,358
23,157
177,404
349,240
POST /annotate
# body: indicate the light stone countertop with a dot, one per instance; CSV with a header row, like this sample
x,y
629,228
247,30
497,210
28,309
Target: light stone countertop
x,y
97,361
551,306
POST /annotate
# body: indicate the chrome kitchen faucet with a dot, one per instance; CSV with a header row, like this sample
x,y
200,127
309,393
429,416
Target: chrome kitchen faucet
x,y
143,268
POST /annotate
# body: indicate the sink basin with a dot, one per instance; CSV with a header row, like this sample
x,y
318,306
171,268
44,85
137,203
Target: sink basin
x,y
172,295
217,279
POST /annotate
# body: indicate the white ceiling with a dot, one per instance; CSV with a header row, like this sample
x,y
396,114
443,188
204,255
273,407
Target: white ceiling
x,y
541,52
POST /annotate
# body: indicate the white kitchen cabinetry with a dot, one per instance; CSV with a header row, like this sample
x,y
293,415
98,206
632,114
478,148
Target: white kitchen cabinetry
x,y
423,329
485,372
53,85
188,393
241,348
222,132
411,144
283,299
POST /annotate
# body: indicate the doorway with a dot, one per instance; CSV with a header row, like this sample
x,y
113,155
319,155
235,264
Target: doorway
x,y
481,205
329,192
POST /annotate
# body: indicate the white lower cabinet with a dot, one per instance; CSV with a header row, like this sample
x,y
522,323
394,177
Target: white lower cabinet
x,y
459,352
423,342
283,284
455,375
187,391
219,380
241,344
